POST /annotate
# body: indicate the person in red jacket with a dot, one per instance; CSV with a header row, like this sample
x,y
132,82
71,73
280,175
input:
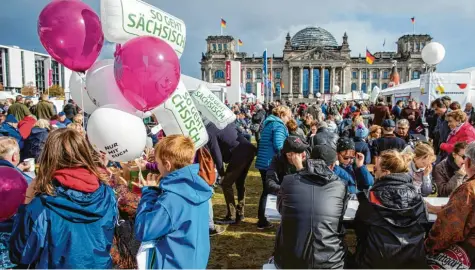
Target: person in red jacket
x,y
25,126
461,130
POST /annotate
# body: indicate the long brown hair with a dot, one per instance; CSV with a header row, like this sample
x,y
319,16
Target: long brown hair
x,y
65,148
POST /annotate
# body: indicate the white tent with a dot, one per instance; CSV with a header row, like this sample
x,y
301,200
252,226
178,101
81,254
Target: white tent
x,y
193,83
409,86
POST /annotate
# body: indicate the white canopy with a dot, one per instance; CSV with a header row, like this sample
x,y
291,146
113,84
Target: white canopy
x,y
193,83
414,84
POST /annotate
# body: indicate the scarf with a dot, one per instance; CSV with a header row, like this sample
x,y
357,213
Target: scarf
x,y
454,131
452,166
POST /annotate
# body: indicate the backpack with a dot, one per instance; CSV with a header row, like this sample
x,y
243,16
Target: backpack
x,y
207,167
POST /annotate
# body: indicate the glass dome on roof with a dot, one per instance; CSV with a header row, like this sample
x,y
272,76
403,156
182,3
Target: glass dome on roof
x,y
313,37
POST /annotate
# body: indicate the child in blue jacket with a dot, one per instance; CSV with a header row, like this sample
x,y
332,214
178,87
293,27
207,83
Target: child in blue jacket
x,y
173,211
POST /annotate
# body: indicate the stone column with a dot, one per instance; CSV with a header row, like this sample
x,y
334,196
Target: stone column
x,y
332,79
310,87
322,80
342,79
360,75
203,75
409,75
380,78
243,79
301,83
290,81
210,75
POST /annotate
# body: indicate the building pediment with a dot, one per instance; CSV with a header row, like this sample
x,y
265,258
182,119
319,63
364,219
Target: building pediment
x,y
317,54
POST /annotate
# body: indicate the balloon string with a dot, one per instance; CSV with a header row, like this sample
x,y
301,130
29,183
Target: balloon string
x,y
82,100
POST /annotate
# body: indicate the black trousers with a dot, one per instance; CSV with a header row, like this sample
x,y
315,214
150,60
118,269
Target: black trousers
x,y
263,200
236,173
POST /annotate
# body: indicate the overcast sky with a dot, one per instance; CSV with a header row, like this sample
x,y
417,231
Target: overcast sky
x,y
263,24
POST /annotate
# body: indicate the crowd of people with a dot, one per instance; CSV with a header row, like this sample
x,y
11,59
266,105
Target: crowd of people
x,y
75,212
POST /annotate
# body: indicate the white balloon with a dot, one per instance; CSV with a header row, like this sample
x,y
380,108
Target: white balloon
x,y
336,89
318,95
433,53
212,108
78,92
119,135
102,87
178,115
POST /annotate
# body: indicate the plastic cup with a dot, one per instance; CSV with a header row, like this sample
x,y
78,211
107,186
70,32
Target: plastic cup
x,y
31,162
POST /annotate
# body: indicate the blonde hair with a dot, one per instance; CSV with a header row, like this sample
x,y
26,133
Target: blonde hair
x,y
394,162
78,119
65,148
281,111
43,123
357,121
372,131
176,149
77,127
8,147
458,115
292,125
423,150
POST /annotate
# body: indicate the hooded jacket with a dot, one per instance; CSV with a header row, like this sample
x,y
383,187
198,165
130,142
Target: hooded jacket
x,y
8,130
312,204
272,140
73,229
34,143
176,216
325,136
389,225
25,126
8,164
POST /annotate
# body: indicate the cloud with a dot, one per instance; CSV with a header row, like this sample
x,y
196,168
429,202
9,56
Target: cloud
x,y
264,24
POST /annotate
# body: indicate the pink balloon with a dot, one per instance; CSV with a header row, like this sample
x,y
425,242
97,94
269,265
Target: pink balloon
x,y
147,71
12,191
71,33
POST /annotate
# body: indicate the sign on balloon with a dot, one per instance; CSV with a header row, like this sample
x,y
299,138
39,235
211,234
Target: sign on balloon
x,y
123,20
212,108
178,115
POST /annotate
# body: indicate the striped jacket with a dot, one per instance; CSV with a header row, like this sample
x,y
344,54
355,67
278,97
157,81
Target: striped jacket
x,y
273,135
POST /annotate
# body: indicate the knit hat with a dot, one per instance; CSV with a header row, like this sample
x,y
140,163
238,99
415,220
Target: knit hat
x,y
345,144
11,119
324,152
294,144
13,188
361,132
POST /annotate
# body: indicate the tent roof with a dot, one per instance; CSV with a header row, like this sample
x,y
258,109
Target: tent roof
x,y
407,85
193,83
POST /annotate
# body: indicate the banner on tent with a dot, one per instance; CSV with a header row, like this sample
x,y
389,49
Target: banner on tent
x,y
228,73
123,20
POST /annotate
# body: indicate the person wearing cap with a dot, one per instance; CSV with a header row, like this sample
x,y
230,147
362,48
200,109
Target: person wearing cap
x,y
10,128
44,108
63,120
388,139
312,203
324,136
351,168
282,165
12,191
19,110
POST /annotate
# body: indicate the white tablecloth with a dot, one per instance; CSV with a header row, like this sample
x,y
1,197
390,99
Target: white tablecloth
x,y
273,215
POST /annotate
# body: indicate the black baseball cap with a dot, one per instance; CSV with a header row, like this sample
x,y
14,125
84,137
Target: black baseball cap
x,y
325,153
388,123
294,144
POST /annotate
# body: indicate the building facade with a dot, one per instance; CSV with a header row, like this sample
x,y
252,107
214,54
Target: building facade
x,y
313,62
19,68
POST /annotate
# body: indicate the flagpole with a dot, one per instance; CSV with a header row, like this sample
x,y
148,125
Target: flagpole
x,y
271,80
414,27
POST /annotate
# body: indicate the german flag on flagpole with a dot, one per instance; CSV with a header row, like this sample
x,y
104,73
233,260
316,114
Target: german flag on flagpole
x,y
223,23
240,42
369,57
413,20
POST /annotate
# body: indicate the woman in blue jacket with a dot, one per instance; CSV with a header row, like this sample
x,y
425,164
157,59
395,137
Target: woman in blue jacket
x,y
70,222
273,135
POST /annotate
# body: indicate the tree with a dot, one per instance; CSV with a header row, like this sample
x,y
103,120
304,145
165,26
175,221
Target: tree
x,y
28,90
56,91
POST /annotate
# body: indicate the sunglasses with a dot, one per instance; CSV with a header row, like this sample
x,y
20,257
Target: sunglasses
x,y
348,158
462,156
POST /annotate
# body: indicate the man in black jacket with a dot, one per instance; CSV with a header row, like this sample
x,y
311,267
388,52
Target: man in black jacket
x,y
281,164
312,204
228,146
70,109
388,140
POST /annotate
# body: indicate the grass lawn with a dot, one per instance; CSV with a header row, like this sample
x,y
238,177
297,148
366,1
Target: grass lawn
x,y
244,246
